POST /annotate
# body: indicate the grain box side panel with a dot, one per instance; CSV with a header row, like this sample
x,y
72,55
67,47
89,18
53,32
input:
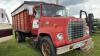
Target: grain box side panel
x,y
27,21
13,21
18,26
22,21
18,23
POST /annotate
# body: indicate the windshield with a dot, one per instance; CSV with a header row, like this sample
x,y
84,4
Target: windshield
x,y
53,10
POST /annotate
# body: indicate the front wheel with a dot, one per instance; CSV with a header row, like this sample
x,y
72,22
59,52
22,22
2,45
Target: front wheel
x,y
47,47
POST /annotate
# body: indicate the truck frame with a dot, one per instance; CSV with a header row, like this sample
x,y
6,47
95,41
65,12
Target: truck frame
x,y
50,28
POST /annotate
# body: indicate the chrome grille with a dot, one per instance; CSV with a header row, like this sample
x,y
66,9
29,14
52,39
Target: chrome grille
x,y
75,29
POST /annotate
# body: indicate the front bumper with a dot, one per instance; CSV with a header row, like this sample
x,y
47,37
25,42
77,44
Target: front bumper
x,y
85,43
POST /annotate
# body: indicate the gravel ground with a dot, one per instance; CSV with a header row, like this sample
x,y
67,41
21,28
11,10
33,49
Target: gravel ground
x,y
3,39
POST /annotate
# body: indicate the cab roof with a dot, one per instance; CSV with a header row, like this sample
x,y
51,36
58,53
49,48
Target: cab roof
x,y
26,4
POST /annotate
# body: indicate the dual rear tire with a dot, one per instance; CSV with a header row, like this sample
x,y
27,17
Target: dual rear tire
x,y
20,37
46,46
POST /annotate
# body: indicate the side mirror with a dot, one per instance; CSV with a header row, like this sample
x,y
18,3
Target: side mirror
x,y
81,11
89,20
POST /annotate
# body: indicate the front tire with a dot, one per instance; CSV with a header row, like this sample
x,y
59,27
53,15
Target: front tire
x,y
47,47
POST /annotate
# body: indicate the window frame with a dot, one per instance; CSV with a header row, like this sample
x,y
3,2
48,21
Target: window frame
x,y
2,15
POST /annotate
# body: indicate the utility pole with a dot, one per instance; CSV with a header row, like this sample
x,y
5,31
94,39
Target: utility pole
x,y
57,1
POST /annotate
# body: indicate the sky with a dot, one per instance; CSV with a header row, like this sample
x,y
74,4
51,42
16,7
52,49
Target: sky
x,y
91,6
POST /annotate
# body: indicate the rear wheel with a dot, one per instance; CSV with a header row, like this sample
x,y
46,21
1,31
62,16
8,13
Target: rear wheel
x,y
47,47
19,37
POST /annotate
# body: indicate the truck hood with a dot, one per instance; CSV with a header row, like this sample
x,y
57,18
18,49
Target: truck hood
x,y
61,21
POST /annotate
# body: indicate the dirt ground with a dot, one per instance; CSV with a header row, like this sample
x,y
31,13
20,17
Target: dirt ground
x,y
3,39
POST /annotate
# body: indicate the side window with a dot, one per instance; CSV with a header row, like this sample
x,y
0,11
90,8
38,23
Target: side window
x,y
2,15
37,12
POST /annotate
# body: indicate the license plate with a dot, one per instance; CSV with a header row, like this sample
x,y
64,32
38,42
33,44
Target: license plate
x,y
77,45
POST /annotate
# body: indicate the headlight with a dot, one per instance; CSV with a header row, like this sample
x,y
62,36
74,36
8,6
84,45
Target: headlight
x,y
59,36
87,32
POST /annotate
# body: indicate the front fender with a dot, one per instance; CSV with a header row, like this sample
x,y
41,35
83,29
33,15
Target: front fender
x,y
52,32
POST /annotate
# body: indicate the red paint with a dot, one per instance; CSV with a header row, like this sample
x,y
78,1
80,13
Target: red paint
x,y
49,25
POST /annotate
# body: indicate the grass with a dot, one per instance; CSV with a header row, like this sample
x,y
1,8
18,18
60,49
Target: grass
x,y
12,48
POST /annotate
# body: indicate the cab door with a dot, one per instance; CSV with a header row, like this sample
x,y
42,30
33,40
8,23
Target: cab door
x,y
35,22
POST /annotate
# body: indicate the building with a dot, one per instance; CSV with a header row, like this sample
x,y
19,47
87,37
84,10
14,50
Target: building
x,y
3,16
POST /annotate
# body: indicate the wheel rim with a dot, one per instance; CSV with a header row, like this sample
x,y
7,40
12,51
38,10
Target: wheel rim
x,y
45,49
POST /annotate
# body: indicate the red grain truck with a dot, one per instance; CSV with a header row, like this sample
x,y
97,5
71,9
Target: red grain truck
x,y
50,28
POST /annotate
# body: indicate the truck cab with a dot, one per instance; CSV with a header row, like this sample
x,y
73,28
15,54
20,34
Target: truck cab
x,y
53,31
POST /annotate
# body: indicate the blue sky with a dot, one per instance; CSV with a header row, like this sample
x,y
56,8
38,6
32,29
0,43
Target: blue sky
x,y
73,5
